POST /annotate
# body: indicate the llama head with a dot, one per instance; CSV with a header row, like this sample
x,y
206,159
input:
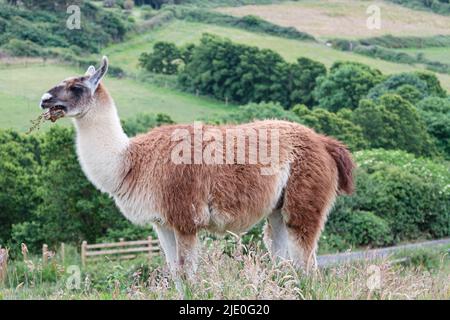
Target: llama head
x,y
73,97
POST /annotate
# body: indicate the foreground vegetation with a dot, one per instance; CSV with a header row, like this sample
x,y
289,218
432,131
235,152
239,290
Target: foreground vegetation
x,y
240,273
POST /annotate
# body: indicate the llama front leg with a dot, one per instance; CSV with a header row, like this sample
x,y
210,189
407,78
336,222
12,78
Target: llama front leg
x,y
187,254
168,243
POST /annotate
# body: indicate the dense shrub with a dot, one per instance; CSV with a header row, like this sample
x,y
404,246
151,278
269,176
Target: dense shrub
x,y
393,123
332,124
345,85
359,228
24,48
43,25
434,87
304,75
436,114
398,197
163,59
410,193
19,169
385,54
395,83
395,42
243,74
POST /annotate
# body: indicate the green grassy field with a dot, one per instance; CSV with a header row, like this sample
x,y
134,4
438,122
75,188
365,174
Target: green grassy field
x,y
22,87
126,55
347,18
434,54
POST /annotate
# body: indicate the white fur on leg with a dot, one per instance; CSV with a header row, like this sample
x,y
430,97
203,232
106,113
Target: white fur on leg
x,y
187,254
296,252
276,236
168,243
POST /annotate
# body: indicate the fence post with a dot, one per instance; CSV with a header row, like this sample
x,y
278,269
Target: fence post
x,y
62,252
24,249
83,253
44,254
150,248
3,265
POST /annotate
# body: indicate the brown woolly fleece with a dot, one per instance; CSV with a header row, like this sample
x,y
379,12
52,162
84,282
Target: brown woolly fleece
x,y
234,197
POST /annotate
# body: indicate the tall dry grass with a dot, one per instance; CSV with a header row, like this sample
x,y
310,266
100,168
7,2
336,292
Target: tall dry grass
x,y
240,272
253,276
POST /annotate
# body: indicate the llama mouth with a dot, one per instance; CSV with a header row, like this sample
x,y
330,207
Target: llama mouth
x,y
55,112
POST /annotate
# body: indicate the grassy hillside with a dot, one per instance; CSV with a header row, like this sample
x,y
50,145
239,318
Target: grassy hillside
x,y
436,54
22,87
347,18
126,54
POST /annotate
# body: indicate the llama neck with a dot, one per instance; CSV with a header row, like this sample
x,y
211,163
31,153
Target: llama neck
x,y
102,145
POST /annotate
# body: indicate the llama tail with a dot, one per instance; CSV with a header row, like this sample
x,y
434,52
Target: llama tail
x,y
344,164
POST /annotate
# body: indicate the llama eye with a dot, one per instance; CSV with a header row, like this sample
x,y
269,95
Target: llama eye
x,y
77,90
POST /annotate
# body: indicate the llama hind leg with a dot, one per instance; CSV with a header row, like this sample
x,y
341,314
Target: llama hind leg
x,y
302,248
304,227
306,210
276,236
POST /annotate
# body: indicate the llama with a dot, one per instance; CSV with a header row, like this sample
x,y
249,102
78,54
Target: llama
x,y
180,199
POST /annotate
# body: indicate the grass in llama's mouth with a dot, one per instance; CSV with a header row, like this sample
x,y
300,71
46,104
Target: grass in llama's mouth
x,y
52,114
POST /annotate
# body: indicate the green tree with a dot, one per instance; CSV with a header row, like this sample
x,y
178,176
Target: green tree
x,y
345,85
433,84
303,81
436,114
164,58
19,167
393,123
409,85
332,124
186,53
244,74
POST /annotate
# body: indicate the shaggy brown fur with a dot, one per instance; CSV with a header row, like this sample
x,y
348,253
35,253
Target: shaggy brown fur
x,y
234,197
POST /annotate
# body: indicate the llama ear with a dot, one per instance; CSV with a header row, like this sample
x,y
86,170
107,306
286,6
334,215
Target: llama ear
x,y
98,75
90,71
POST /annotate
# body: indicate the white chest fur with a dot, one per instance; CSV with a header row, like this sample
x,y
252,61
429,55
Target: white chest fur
x,y
101,148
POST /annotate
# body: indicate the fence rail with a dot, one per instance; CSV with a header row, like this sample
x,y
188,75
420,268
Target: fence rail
x,y
122,249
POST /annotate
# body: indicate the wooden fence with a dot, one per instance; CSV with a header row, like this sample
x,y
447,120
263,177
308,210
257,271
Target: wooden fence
x,y
3,264
122,249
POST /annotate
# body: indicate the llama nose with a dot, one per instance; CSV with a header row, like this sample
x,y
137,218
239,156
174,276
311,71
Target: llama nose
x,y
46,97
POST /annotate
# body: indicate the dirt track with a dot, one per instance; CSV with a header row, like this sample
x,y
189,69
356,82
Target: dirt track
x,y
330,259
